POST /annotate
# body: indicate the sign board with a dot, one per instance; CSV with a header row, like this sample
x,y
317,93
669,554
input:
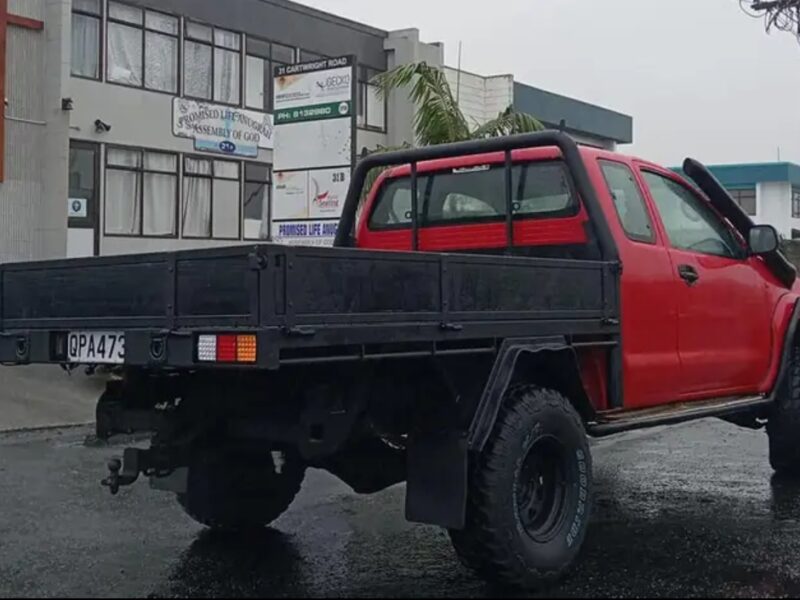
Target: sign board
x,y
77,208
222,129
310,194
327,192
306,232
314,143
290,195
312,84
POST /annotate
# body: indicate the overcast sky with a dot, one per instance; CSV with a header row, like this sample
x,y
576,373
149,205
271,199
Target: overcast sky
x,y
699,77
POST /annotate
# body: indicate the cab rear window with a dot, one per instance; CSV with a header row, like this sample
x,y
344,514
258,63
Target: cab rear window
x,y
476,195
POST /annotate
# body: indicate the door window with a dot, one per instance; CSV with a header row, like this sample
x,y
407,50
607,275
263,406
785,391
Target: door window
x,y
690,223
628,202
82,185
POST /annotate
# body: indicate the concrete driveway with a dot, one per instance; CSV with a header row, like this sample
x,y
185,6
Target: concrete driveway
x,y
687,511
45,395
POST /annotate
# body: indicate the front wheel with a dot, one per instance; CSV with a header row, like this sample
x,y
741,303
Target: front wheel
x,y
783,425
529,493
239,491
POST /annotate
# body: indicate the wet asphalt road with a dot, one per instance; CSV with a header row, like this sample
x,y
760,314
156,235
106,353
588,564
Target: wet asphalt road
x,y
686,511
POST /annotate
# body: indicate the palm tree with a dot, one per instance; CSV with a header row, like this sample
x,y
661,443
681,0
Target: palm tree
x,y
438,118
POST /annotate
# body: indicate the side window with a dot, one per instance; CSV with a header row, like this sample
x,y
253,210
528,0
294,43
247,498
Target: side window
x,y
393,207
543,189
628,202
477,195
465,195
689,222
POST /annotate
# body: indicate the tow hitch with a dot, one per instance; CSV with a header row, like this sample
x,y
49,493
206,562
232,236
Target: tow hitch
x,y
156,462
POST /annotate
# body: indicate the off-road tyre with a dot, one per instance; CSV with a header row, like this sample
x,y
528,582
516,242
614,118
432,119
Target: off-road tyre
x,y
783,425
501,542
231,492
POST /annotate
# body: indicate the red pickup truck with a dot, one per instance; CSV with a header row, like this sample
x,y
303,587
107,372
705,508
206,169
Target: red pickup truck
x,y
486,308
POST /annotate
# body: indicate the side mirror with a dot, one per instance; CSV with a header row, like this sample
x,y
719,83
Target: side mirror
x,y
763,239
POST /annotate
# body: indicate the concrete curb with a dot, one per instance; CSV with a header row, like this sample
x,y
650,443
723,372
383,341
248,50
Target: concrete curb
x,y
46,428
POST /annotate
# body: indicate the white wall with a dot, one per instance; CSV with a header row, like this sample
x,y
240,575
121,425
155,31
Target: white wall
x,y
480,98
137,118
33,207
404,47
774,207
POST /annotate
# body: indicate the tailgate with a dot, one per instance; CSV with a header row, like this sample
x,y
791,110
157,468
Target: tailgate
x,y
130,291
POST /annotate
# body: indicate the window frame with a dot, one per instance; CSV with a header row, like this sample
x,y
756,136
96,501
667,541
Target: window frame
x,y
101,47
363,83
301,59
425,178
242,58
267,199
735,193
93,213
740,250
653,241
269,71
141,171
795,201
144,29
212,177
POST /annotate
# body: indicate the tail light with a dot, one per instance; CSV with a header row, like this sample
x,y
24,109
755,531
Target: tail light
x,y
227,348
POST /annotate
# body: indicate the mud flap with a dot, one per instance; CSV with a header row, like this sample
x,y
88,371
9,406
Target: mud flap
x,y
436,493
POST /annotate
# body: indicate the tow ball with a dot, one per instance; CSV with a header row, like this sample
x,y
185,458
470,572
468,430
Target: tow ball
x,y
123,472
135,462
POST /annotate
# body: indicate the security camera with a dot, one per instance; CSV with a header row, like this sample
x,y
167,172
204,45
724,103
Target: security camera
x,y
67,104
101,126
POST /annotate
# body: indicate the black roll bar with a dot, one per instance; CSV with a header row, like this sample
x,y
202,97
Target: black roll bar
x,y
345,236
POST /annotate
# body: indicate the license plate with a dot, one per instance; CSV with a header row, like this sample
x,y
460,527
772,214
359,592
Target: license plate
x,y
96,347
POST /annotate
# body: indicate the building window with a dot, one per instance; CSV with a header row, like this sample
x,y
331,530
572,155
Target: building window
x,y
262,58
212,64
795,203
211,198
87,19
283,55
141,192
746,199
256,201
306,56
371,106
142,48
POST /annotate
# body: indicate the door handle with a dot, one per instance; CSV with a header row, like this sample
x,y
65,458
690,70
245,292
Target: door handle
x,y
688,273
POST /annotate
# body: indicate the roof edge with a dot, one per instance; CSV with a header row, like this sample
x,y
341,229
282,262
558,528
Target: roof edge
x,y
327,16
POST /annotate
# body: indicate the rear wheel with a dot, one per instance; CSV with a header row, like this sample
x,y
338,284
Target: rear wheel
x,y
783,426
529,493
236,491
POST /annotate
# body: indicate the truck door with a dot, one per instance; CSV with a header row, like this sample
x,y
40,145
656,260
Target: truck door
x,y
649,306
724,317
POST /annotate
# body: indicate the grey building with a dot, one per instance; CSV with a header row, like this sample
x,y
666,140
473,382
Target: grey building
x,y
93,162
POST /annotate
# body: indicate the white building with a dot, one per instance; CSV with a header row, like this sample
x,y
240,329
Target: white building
x,y
94,162
483,98
768,192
